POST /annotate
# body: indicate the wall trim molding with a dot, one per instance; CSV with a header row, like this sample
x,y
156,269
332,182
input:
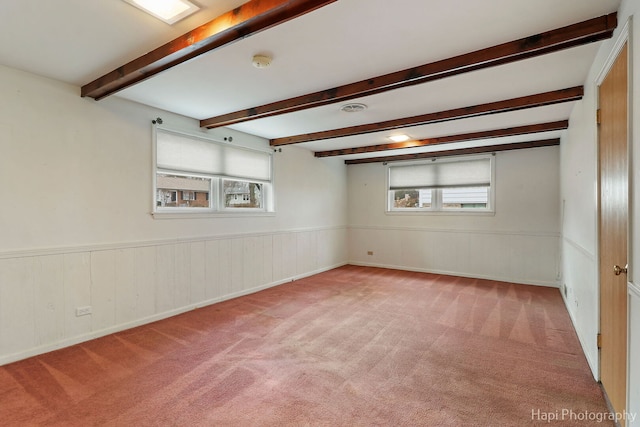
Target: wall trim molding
x,y
622,38
62,250
458,231
547,284
35,351
584,251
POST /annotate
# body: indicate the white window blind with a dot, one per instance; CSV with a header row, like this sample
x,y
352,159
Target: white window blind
x,y
183,153
467,173
179,152
248,164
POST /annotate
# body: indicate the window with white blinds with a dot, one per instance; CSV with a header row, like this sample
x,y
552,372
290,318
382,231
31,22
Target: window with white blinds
x,y
441,185
179,152
469,173
197,174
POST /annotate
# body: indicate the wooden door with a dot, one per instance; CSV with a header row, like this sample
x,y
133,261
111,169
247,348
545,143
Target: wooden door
x,y
613,229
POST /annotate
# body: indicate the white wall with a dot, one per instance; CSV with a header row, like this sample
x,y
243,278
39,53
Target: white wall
x,y
579,240
578,191
520,243
76,228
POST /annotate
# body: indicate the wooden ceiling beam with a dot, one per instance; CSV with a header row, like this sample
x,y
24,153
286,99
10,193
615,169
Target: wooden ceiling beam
x,y
514,104
237,24
459,151
539,44
488,134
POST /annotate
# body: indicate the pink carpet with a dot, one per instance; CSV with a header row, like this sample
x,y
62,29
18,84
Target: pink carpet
x,y
354,346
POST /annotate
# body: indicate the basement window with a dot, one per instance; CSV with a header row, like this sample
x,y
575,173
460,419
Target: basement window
x,y
195,174
441,185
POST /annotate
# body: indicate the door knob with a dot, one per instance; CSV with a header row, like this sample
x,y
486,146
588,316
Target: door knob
x,y
617,270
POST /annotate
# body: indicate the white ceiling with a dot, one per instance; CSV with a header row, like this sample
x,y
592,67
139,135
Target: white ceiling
x,y
77,41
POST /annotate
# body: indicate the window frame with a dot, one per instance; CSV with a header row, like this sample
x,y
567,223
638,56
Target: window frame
x,y
436,207
215,195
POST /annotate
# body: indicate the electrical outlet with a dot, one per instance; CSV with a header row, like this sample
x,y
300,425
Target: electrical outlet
x,y
369,252
83,311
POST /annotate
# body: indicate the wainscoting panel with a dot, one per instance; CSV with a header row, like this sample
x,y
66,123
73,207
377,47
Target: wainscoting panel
x,y
17,306
77,292
135,283
103,289
580,290
47,276
197,276
528,258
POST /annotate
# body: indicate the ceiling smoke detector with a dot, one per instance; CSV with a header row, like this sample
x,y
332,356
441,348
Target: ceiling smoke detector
x,y
261,61
353,108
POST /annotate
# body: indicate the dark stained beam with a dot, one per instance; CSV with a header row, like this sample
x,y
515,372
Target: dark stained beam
x,y
539,44
514,104
246,20
488,134
459,151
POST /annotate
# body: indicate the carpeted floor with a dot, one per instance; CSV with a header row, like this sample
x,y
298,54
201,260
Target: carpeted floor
x,y
354,346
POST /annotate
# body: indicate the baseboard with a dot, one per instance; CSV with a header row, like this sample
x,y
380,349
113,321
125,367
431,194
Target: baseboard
x,y
551,284
14,357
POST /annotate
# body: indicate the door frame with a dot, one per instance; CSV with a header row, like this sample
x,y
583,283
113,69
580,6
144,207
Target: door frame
x,y
623,37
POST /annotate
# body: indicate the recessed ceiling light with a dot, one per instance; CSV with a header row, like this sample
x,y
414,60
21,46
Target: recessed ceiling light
x,y
399,138
169,11
353,108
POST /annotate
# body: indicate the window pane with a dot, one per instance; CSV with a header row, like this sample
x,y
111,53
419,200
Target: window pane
x,y
242,194
182,191
465,198
411,199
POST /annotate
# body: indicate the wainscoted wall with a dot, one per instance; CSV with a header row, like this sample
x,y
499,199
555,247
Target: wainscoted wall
x,y
518,243
132,284
579,285
526,258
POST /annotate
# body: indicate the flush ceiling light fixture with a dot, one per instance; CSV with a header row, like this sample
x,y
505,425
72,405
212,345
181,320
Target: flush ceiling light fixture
x,y
353,108
169,11
399,138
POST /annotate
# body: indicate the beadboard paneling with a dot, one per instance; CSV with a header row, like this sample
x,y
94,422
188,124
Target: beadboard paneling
x,y
132,285
529,258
